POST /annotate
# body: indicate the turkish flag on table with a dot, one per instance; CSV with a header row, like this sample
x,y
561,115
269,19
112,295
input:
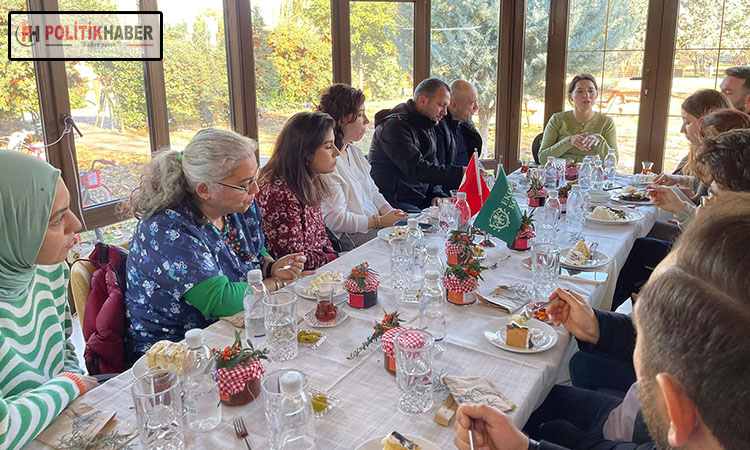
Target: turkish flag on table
x,y
474,186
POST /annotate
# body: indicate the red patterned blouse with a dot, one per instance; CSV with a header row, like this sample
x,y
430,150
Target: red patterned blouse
x,y
289,226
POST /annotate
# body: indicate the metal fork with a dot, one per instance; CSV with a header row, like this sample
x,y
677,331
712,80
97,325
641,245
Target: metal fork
x,y
592,249
241,431
529,310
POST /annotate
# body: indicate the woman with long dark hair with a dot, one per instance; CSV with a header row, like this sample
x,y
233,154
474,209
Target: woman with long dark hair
x,y
355,208
292,186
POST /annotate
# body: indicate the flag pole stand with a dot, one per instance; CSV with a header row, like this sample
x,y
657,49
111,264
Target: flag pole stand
x,y
486,242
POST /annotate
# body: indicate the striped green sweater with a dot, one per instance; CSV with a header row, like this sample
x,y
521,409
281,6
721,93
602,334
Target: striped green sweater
x,y
34,347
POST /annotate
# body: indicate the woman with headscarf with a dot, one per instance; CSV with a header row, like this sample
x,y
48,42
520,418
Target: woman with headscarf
x,y
39,372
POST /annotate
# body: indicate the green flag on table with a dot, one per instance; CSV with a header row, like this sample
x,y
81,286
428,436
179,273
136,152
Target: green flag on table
x,y
500,215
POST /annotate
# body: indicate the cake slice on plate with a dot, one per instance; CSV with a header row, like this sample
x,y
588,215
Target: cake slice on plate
x,y
517,333
395,441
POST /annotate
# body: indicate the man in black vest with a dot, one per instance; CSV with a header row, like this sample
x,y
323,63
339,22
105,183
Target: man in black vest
x,y
458,138
403,154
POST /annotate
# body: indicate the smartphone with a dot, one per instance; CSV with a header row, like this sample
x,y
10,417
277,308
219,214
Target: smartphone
x,y
595,277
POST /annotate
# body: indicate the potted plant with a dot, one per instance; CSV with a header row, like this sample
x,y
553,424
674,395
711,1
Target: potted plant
x,y
525,232
461,281
460,246
562,194
536,193
238,371
362,286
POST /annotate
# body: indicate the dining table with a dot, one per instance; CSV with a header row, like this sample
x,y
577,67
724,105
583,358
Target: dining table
x,y
365,394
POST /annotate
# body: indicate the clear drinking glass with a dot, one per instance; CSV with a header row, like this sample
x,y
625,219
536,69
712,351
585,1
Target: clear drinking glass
x,y
560,169
289,415
447,215
545,265
402,258
325,311
280,313
647,166
157,396
413,351
545,225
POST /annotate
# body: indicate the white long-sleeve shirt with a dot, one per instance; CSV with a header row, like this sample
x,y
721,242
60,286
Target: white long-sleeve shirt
x,y
354,195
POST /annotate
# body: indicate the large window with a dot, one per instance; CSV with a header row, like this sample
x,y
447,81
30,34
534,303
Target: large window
x,y
195,69
20,121
108,103
607,39
534,71
382,43
292,46
464,40
711,37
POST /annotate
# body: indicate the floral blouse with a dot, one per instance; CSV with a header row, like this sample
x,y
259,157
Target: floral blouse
x,y
171,252
289,226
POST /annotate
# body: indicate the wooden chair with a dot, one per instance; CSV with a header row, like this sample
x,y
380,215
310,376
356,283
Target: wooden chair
x,y
535,145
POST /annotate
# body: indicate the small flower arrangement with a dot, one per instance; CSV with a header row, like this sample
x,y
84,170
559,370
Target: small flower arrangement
x,y
234,355
390,321
536,193
462,279
362,286
238,371
571,170
460,246
525,232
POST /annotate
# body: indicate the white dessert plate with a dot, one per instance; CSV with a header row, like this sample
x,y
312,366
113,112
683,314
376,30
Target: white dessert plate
x,y
302,286
616,198
375,443
384,233
599,260
633,215
544,338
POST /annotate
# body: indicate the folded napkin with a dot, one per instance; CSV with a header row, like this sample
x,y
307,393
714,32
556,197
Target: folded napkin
x,y
82,423
502,297
237,320
478,390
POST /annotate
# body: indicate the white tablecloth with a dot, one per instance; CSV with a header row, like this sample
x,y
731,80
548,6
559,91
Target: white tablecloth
x,y
367,393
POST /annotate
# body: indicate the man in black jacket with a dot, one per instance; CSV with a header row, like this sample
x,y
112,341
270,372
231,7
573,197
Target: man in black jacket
x,y
457,137
687,339
403,153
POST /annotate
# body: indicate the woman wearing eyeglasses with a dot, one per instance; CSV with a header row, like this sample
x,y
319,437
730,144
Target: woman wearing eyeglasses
x,y
200,232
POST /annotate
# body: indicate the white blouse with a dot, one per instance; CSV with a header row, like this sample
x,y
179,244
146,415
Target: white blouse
x,y
354,195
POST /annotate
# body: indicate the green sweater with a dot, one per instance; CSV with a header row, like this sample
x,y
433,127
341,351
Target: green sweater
x,y
563,125
34,348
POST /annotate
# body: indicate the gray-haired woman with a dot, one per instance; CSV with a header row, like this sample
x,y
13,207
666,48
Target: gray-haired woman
x,y
199,234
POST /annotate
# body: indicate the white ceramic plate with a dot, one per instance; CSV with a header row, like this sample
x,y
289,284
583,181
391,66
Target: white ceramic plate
x,y
543,339
375,443
301,289
616,198
633,215
599,260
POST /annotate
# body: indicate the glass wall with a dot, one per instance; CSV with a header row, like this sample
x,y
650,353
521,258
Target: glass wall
x,y
463,45
20,119
607,39
711,37
293,62
195,68
108,103
382,54
534,72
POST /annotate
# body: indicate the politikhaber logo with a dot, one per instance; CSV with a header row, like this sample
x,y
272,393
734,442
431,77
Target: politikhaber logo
x,y
88,35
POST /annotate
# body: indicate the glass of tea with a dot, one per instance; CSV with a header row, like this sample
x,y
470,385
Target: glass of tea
x,y
525,163
325,311
647,165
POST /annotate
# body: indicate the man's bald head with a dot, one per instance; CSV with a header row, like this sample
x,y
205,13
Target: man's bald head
x,y
464,100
